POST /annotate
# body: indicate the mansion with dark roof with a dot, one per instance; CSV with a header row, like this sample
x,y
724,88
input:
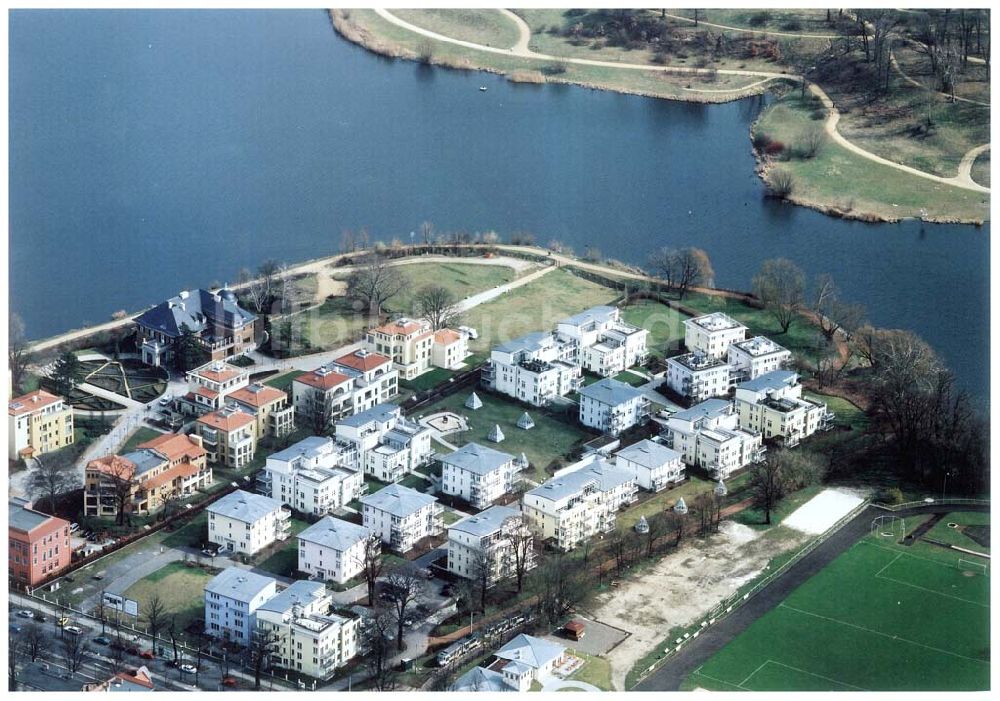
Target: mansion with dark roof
x,y
224,328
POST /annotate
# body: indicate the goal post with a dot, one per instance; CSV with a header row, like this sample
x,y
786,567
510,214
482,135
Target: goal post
x,y
888,526
974,566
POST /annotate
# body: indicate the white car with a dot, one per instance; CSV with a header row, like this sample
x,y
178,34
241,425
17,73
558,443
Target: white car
x,y
73,630
189,668
469,331
166,399
25,613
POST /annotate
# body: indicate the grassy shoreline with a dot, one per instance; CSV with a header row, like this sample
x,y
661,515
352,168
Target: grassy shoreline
x,y
836,191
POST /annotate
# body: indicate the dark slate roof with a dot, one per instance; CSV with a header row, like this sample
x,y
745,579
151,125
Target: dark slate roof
x,y
199,310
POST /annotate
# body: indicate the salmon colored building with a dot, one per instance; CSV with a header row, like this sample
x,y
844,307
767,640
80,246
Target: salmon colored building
x,y
38,544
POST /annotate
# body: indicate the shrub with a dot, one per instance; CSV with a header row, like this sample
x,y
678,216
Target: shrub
x,y
659,58
792,25
782,183
759,19
890,495
774,148
761,140
425,51
554,68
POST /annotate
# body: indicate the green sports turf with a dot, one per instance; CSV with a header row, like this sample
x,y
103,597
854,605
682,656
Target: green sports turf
x,y
880,617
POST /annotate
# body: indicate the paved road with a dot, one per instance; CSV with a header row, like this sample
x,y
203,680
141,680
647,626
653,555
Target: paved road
x,y
712,639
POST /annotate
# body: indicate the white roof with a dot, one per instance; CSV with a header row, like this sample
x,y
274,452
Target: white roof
x,y
244,506
531,651
334,533
649,454
398,500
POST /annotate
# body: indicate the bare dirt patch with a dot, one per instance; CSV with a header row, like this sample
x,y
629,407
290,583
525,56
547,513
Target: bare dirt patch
x,y
684,586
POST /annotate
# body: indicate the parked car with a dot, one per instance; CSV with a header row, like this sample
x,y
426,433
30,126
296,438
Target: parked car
x,y
25,613
210,552
102,640
73,630
62,621
74,527
229,681
147,655
188,668
166,399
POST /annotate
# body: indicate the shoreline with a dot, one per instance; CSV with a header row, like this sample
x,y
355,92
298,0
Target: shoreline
x,y
352,32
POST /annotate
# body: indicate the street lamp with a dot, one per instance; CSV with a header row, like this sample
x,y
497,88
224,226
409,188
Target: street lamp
x,y
945,485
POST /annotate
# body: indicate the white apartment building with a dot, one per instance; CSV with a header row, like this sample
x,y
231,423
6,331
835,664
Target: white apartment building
x,y
603,343
756,356
485,541
333,549
407,341
389,446
654,465
478,474
612,406
773,405
232,598
349,385
523,660
402,516
581,502
535,369
697,376
309,638
450,349
311,477
242,522
209,385
712,334
708,436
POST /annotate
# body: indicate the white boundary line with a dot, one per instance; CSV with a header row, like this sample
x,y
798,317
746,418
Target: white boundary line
x,y
715,679
889,564
884,635
929,591
762,665
818,676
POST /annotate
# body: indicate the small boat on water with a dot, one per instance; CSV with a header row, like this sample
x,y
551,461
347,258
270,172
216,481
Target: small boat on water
x,y
482,88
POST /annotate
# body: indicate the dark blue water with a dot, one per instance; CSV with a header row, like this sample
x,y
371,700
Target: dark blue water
x,y
154,151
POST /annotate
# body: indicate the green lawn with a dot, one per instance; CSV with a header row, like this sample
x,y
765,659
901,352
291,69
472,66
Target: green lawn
x,y
663,500
483,26
141,435
754,517
847,414
801,339
449,517
881,617
284,380
841,178
430,379
551,438
630,378
192,534
285,561
537,306
665,325
954,536
595,670
179,587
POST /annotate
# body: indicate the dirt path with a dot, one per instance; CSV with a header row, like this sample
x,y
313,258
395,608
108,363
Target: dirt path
x,y
683,587
965,167
521,47
830,126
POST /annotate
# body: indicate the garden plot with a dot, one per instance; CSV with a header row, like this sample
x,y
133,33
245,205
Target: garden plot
x,y
130,379
822,511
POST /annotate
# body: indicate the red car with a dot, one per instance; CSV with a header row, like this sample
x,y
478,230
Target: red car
x,y
229,681
147,655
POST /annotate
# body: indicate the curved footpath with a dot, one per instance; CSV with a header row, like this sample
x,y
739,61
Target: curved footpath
x,y
713,638
521,49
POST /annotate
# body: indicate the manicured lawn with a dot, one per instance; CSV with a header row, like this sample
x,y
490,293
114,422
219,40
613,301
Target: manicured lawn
x,y
141,435
192,534
284,380
595,670
428,380
881,617
415,482
847,414
449,517
663,500
180,588
665,325
551,438
489,27
285,561
954,536
537,306
630,378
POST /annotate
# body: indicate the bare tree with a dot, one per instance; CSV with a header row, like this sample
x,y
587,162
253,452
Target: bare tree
x,y
438,305
767,484
780,286
426,232
121,475
74,652
404,584
813,141
17,351
36,641
693,269
832,313
14,651
374,282
372,564
522,550
54,474
378,659
677,524
174,634
559,586
263,643
481,571
657,527
155,612
663,264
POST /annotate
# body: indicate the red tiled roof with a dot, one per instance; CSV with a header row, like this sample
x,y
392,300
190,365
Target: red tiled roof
x,y
32,401
362,361
223,373
174,446
325,381
403,327
225,420
257,395
170,474
113,465
446,336
205,392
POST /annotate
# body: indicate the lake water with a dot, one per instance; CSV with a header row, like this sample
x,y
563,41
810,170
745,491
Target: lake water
x,y
156,151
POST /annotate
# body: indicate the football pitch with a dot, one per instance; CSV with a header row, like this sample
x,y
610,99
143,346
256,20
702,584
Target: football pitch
x,y
881,617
